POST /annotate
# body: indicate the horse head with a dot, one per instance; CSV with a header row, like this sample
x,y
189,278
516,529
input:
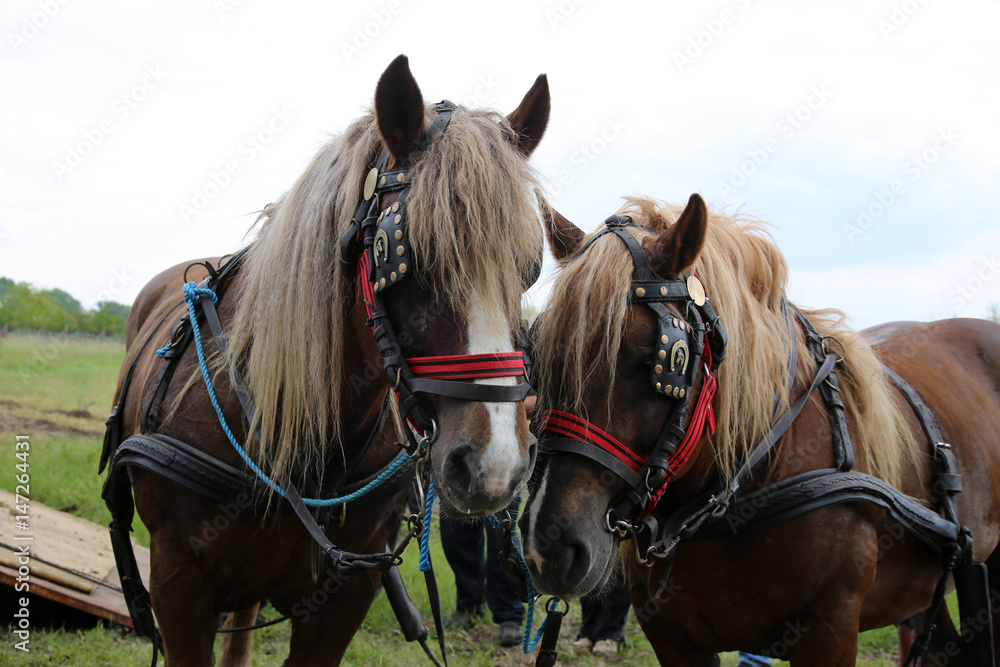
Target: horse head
x,y
456,242
621,352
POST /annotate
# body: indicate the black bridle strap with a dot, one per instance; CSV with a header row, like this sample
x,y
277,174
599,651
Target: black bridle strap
x,y
466,391
601,456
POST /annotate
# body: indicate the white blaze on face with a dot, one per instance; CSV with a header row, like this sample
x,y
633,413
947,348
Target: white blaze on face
x,y
501,454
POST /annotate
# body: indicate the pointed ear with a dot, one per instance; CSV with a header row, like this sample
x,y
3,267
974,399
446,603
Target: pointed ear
x,y
564,237
531,116
677,248
399,109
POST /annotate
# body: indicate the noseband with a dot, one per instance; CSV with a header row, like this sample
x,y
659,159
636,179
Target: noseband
x,y
375,248
684,344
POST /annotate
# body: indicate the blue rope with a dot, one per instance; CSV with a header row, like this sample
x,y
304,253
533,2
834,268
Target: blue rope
x,y
528,643
425,551
191,295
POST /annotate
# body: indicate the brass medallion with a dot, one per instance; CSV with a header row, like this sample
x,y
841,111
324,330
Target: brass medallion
x,y
370,181
696,290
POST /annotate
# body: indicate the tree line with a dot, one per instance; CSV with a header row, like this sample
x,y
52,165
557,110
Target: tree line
x,y
23,307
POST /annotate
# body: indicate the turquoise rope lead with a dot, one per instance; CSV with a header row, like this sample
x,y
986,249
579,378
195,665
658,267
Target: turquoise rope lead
x,y
191,294
528,643
425,535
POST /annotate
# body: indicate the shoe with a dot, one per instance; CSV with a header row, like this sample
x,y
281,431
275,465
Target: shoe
x,y
462,618
584,643
510,633
606,648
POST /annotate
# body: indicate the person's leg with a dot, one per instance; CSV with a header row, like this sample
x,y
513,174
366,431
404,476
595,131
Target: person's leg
x,y
589,619
462,541
613,611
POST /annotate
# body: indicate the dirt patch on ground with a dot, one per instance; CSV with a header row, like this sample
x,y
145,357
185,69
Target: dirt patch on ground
x,y
23,419
466,642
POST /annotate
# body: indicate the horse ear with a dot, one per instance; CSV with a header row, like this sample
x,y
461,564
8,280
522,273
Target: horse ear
x,y
531,116
399,109
564,237
678,247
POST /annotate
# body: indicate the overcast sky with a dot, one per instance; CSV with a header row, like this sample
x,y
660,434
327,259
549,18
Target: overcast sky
x,y
136,135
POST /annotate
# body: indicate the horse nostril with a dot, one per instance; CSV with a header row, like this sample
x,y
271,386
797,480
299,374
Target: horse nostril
x,y
457,469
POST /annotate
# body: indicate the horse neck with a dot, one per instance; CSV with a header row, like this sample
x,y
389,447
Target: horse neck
x,y
364,382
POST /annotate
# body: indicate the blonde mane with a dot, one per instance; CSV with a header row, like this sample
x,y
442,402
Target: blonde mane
x,y
745,276
472,226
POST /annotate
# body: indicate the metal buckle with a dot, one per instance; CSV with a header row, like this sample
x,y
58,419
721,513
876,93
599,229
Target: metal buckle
x,y
621,527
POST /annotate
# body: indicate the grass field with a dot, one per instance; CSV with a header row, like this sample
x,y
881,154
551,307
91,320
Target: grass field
x,y
59,391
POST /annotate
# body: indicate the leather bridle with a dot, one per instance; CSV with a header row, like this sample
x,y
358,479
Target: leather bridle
x,y
375,248
685,344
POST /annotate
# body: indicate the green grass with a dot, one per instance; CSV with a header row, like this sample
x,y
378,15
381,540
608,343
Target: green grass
x,y
59,391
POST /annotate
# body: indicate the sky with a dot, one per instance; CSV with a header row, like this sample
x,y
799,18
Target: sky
x,y
137,135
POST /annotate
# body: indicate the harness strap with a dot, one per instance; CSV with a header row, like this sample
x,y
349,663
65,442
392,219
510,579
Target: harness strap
x,y
803,493
113,425
714,503
947,482
830,391
207,475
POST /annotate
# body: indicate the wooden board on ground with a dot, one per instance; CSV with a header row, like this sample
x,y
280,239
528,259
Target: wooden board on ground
x,y
71,559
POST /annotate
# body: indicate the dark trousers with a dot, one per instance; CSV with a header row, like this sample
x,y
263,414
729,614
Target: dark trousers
x,y
604,617
471,548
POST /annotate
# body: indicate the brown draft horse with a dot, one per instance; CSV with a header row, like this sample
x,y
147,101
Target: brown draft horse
x,y
800,590
300,338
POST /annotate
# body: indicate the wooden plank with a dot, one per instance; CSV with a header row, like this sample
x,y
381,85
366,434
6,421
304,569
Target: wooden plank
x,y
72,562
61,540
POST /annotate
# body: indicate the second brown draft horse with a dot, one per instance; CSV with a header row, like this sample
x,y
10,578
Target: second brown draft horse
x,y
617,351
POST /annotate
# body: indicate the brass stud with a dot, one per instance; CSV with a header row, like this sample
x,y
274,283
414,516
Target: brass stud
x,y
662,354
395,207
398,219
382,181
677,325
682,394
659,386
402,268
380,216
663,290
666,390
664,339
392,276
381,283
400,177
399,234
640,292
677,391
400,250
657,369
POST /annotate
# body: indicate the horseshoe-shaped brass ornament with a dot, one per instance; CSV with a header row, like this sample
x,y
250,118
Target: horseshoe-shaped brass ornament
x,y
679,354
381,248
